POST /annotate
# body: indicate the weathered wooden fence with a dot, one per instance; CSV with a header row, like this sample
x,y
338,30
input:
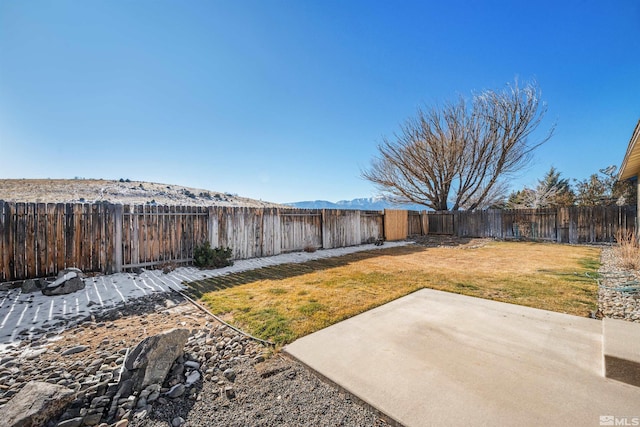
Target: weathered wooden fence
x,y
39,239
589,224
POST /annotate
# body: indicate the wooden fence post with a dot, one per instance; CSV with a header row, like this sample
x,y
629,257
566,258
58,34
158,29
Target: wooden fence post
x,y
117,241
573,225
322,229
4,252
212,223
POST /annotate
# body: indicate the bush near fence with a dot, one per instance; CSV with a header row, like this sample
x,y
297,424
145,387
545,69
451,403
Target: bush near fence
x,y
38,240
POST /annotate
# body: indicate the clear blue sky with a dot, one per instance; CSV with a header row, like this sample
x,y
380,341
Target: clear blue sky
x,y
287,100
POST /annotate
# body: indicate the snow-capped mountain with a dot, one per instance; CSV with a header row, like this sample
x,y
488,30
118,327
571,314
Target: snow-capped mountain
x,y
368,204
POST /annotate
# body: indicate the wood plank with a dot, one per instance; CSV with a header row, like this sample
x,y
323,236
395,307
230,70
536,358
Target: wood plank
x,y
197,229
10,245
154,253
157,223
212,225
164,236
60,237
49,230
144,234
116,257
178,228
4,242
127,224
40,219
107,250
68,235
21,240
96,236
107,233
187,252
136,256
173,232
189,235
83,256
31,256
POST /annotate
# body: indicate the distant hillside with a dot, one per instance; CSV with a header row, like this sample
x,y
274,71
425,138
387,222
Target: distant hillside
x,y
121,191
368,204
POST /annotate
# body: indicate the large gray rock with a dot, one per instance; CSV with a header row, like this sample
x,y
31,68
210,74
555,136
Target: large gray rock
x,y
32,285
69,280
36,404
150,361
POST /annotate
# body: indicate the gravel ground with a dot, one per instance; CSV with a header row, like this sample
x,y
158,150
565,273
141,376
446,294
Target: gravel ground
x,y
619,290
277,392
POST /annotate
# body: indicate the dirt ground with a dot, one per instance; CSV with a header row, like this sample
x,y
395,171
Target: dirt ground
x,y
117,191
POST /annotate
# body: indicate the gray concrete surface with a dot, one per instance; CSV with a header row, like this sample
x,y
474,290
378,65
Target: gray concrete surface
x,y
621,349
440,359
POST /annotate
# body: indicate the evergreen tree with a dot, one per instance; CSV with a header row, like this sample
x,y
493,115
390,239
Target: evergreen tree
x,y
551,191
604,189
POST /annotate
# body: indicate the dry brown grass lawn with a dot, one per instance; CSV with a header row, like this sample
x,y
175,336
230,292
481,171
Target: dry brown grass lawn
x,y
548,276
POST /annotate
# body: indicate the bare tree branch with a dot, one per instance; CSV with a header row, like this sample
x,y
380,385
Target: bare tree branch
x,y
467,149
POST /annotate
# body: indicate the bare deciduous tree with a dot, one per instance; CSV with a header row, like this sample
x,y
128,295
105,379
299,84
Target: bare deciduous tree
x,y
464,150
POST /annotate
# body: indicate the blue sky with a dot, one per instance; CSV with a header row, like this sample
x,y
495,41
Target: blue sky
x,y
287,100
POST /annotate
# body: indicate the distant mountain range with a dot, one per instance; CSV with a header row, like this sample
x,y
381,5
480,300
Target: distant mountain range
x,y
366,204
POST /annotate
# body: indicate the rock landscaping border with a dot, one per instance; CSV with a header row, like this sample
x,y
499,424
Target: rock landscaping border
x,y
220,377
618,290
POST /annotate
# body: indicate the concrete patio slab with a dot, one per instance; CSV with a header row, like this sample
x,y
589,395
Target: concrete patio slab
x,y
436,358
621,351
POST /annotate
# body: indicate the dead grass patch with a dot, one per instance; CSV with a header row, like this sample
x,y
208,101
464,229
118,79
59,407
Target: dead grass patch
x,y
628,250
547,276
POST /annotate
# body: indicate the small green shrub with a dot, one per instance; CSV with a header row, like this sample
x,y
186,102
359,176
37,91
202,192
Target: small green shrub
x,y
204,256
189,194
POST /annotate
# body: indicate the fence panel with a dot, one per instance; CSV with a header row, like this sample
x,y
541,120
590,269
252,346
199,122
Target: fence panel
x,y
300,228
414,224
466,224
153,235
11,244
440,223
396,226
271,243
21,240
4,255
38,239
371,226
241,230
534,224
340,228
494,218
567,225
